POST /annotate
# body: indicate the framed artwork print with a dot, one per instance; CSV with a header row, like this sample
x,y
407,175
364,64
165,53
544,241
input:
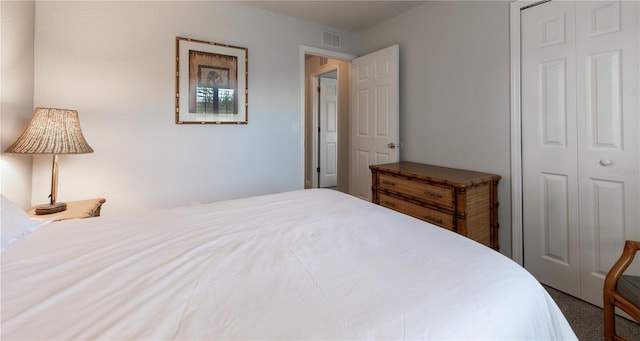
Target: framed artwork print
x,y
211,82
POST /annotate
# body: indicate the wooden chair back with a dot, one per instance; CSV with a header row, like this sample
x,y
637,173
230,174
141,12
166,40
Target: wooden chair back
x,y
612,299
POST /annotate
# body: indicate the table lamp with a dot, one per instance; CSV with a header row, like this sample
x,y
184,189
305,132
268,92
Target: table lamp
x,y
52,131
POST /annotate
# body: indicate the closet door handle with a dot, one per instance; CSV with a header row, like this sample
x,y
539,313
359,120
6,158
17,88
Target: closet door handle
x,y
606,163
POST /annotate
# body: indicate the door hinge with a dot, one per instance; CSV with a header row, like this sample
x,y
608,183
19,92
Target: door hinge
x,y
318,89
318,169
318,128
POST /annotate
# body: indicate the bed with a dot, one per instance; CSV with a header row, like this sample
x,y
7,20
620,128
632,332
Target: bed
x,y
309,264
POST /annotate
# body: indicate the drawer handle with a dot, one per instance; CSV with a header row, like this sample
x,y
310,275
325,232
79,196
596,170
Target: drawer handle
x,y
433,195
386,182
433,220
386,203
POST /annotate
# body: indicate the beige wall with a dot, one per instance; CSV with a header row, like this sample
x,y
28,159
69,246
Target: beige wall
x,y
16,95
114,62
454,88
313,67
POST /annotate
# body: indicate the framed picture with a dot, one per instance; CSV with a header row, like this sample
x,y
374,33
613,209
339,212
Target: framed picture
x,y
211,82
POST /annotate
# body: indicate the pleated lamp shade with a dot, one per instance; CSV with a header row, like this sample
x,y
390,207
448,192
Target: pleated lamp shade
x,y
52,131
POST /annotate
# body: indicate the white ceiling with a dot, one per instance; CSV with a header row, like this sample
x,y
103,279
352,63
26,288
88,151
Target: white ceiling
x,y
352,16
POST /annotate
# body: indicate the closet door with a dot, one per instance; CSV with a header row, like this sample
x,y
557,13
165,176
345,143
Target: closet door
x,y
580,126
608,99
549,146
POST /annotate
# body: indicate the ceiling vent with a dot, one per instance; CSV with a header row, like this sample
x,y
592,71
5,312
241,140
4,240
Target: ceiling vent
x,y
331,40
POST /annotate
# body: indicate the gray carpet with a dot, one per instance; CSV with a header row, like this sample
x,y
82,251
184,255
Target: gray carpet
x,y
587,319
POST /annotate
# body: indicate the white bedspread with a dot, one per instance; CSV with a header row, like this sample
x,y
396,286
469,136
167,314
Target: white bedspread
x,y
311,264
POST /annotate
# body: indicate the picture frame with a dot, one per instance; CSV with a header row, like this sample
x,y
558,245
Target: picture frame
x,y
211,83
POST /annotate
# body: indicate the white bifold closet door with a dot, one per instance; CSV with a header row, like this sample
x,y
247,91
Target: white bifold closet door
x,y
580,128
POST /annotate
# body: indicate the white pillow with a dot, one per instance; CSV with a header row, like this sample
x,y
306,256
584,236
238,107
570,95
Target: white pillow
x,y
15,223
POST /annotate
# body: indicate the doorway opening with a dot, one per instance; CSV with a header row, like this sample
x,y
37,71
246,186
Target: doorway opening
x,y
326,117
368,128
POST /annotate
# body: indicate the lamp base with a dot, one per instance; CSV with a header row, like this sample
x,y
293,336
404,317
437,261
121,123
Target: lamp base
x,y
51,208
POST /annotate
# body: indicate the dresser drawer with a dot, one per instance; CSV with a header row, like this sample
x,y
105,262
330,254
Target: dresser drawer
x,y
423,213
441,196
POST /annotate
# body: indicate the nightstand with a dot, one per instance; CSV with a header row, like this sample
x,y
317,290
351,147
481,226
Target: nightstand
x,y
75,210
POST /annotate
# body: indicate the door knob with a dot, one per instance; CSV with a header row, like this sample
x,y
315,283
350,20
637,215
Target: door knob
x,y
391,145
606,163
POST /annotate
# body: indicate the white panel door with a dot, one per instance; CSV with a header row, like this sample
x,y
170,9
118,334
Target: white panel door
x,y
328,129
581,164
375,128
608,105
549,150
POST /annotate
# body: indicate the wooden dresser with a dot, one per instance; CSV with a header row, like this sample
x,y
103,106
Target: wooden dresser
x,y
459,200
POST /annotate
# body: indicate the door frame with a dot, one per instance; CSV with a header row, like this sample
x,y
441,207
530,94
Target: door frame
x,y
517,241
304,50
